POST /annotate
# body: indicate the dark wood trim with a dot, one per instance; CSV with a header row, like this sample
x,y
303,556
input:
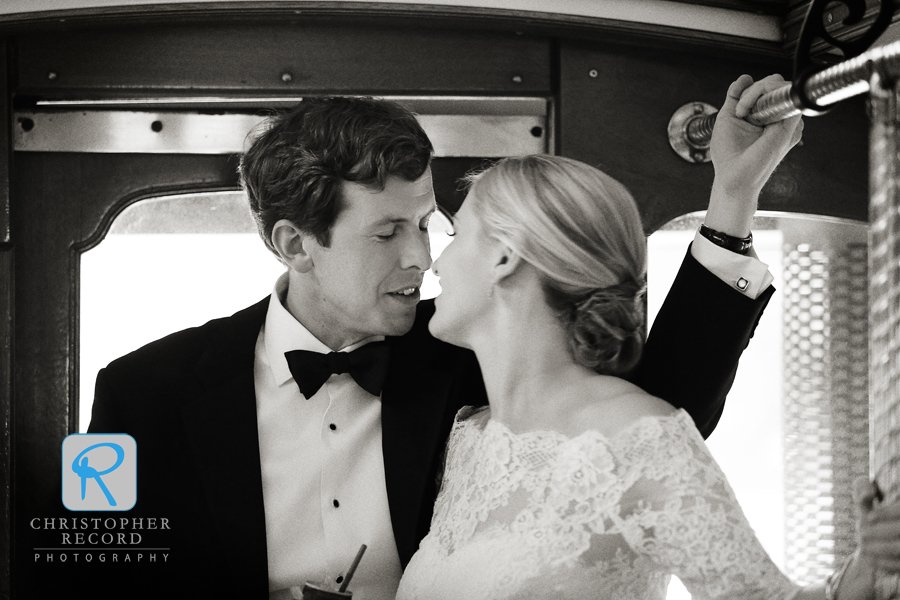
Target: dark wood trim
x,y
6,419
5,141
6,329
416,15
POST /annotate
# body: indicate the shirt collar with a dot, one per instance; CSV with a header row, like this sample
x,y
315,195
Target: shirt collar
x,y
284,333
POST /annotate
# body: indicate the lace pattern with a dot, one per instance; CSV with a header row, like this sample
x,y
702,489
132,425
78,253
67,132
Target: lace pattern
x,y
542,515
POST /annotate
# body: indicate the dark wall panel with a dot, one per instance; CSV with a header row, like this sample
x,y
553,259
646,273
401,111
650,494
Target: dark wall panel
x,y
617,121
283,58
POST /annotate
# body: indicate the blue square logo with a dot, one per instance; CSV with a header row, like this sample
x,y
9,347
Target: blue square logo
x,y
99,471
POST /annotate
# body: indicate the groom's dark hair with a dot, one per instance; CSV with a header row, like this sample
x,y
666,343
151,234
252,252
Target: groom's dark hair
x,y
294,167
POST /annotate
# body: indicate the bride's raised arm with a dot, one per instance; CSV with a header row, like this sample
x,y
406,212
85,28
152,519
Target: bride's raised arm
x,y
712,309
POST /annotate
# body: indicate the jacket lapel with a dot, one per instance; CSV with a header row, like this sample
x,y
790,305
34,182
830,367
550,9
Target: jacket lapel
x,y
414,401
221,428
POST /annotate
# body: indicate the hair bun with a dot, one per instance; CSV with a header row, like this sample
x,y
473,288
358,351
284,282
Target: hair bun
x,y
607,328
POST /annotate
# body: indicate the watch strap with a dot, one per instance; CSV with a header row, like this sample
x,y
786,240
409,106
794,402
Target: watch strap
x,y
729,242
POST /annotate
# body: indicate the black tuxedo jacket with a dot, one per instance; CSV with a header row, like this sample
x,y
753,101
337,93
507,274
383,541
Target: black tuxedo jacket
x,y
188,400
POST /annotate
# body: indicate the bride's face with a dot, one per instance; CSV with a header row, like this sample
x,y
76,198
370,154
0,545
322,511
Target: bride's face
x,y
465,274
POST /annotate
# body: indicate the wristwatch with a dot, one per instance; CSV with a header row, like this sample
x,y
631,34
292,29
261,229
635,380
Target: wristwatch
x,y
729,242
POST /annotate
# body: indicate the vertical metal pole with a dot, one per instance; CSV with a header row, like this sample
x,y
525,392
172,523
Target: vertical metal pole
x,y
884,299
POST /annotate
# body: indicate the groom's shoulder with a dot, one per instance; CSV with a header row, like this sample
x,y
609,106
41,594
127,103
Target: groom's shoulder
x,y
177,350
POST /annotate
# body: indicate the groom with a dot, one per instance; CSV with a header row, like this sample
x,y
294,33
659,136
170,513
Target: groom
x,y
272,460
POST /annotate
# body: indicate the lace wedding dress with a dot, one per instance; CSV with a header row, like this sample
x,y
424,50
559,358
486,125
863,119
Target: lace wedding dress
x,y
541,515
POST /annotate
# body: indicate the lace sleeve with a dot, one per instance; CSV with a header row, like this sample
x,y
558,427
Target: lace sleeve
x,y
680,513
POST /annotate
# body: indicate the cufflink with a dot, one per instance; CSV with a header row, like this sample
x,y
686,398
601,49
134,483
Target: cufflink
x,y
742,284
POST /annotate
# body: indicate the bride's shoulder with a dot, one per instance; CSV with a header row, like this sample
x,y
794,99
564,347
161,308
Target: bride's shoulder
x,y
611,407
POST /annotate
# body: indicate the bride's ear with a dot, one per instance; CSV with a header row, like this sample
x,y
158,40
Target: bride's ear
x,y
506,262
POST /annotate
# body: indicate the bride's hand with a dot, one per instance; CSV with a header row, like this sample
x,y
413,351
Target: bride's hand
x,y
878,528
745,155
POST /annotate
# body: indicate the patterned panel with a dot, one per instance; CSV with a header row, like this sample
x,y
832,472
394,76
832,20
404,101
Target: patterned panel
x,y
809,548
825,400
849,386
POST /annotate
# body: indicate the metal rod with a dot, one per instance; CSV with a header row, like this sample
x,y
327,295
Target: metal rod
x,y
829,86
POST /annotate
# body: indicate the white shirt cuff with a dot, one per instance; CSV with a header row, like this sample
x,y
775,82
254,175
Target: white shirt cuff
x,y
745,274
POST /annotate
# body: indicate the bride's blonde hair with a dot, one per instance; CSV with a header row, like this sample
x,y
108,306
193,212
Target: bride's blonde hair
x,y
581,229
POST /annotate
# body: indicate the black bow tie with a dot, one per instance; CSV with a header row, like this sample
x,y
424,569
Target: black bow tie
x,y
367,365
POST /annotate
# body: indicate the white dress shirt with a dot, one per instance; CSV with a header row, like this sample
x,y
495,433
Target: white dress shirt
x,y
322,469
745,274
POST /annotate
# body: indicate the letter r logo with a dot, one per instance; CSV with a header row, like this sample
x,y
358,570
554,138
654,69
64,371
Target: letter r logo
x,y
99,471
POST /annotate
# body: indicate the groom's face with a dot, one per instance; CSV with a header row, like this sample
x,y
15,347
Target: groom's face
x,y
368,279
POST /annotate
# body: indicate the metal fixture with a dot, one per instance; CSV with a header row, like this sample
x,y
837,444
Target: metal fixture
x,y
829,86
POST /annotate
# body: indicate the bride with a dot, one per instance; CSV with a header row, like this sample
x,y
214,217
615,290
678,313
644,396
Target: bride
x,y
575,483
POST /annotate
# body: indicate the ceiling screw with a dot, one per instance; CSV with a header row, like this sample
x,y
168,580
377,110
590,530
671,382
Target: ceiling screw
x,y
51,75
517,79
593,73
286,77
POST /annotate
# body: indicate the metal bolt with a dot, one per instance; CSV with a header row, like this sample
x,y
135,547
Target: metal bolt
x,y
698,156
286,77
829,17
517,79
593,73
698,109
51,75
